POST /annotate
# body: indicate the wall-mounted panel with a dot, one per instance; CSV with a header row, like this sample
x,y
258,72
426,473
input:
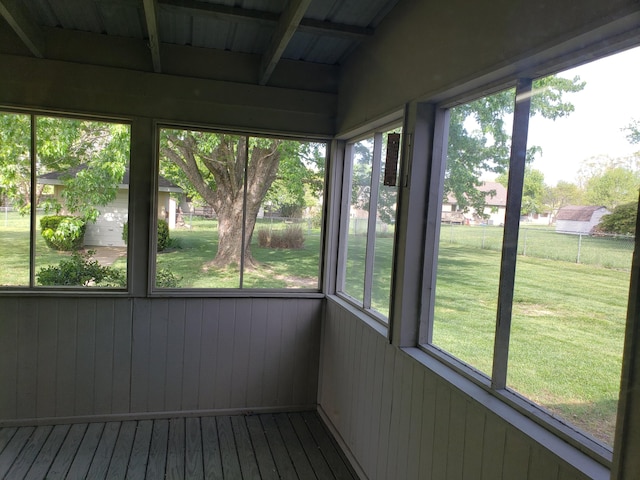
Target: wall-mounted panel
x,y
70,357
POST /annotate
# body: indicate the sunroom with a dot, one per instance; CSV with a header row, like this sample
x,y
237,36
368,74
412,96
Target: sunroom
x,y
294,306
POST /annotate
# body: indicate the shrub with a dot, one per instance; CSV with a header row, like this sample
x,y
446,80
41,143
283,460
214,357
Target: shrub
x,y
163,235
81,270
164,240
621,221
62,232
291,237
166,279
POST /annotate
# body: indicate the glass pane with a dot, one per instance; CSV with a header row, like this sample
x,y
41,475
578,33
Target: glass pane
x,y
287,219
15,198
356,235
82,195
573,271
200,205
385,227
472,216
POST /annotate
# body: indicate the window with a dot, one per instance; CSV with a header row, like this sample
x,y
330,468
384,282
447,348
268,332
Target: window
x,y
238,211
531,289
369,213
75,172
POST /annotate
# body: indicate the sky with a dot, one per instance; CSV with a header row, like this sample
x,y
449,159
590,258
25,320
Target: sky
x,y
608,103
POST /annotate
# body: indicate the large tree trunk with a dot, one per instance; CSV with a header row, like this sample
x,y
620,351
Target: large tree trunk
x,y
226,163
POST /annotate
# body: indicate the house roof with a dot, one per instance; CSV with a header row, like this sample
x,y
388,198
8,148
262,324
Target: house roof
x,y
57,178
496,199
262,33
577,213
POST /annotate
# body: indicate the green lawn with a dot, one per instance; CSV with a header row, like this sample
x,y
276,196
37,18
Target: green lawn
x,y
568,318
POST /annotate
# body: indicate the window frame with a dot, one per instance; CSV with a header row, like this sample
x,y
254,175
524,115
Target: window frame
x,y
240,291
496,384
376,134
61,290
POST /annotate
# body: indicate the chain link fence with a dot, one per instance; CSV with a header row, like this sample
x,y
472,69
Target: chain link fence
x,y
610,251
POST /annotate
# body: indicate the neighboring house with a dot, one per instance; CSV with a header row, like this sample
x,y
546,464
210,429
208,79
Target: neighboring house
x,y
494,210
579,219
107,230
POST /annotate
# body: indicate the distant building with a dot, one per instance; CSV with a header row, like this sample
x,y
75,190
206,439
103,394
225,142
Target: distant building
x,y
494,210
579,219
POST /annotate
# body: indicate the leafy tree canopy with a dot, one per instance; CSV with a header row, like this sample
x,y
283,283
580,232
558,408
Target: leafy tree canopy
x,y
614,186
479,142
621,221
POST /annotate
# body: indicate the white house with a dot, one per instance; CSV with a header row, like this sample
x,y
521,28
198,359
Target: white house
x,y
579,219
494,210
107,229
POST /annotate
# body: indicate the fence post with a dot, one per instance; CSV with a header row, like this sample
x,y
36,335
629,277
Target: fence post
x,y
484,234
524,248
579,247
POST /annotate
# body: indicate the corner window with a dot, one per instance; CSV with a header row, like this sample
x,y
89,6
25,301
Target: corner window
x,y
64,200
368,226
238,211
536,240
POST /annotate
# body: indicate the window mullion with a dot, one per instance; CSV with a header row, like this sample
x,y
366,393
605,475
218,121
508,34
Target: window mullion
x,y
372,219
244,209
345,216
32,210
510,235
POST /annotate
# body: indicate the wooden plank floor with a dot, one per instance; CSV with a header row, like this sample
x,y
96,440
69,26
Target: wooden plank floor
x,y
265,446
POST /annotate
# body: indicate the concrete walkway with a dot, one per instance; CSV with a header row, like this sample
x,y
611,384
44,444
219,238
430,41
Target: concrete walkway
x,y
107,255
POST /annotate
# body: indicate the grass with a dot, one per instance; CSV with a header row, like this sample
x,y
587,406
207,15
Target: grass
x,y
568,318
567,330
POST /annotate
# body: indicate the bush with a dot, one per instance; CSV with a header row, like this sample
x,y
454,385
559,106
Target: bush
x,y
166,279
164,240
62,232
291,237
81,270
621,221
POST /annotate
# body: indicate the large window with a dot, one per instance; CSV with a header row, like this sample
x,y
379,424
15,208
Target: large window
x,y
536,240
369,214
238,211
63,200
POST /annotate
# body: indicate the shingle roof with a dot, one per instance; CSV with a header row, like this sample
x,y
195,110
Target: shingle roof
x,y
577,213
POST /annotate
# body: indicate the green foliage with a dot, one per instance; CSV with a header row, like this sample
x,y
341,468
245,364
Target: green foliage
x,y
563,194
165,278
93,154
533,190
613,187
621,221
290,237
62,232
479,143
163,235
633,131
164,238
80,270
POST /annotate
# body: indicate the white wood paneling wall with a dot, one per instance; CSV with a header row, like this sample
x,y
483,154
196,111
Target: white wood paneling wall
x,y
69,357
400,419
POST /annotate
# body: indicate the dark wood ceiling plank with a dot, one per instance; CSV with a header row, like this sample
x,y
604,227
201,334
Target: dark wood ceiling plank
x,y
287,26
15,15
151,16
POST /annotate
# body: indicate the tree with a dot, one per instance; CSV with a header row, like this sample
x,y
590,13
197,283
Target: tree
x,y
478,142
212,166
563,194
621,221
612,187
633,131
533,190
95,154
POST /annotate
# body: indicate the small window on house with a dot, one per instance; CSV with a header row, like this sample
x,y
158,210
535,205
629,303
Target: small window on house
x,y
369,214
238,211
77,178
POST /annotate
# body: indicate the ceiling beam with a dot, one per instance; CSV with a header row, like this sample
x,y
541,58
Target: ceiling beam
x,y
151,16
224,12
287,26
14,13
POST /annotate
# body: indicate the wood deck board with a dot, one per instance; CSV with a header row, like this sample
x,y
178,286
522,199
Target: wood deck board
x,y
264,447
